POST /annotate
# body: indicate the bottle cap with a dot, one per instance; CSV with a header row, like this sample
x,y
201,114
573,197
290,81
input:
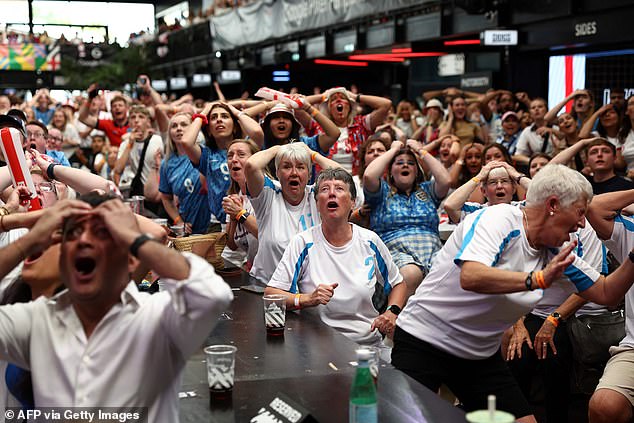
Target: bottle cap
x,y
364,354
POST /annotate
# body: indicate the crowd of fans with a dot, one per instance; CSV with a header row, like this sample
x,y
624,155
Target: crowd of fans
x,y
345,203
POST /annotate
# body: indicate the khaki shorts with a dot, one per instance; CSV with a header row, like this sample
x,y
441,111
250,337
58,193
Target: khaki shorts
x,y
619,373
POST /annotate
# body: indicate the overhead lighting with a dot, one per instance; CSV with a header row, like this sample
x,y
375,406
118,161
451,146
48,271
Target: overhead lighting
x,y
462,42
377,58
339,63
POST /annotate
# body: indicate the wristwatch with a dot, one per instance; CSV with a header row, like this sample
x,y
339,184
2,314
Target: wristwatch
x,y
394,309
243,218
556,316
631,256
519,178
138,242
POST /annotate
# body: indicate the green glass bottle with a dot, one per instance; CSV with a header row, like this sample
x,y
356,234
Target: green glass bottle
x,y
363,400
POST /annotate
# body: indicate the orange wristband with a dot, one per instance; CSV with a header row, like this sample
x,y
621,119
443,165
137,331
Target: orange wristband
x,y
240,214
312,157
315,112
539,278
552,320
178,219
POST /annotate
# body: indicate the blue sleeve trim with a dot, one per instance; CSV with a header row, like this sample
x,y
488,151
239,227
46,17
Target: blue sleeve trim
x,y
387,288
515,233
298,268
604,261
627,223
580,279
468,237
471,207
579,249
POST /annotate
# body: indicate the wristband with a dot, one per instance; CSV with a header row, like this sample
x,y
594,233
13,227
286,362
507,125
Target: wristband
x,y
296,301
50,170
460,162
358,98
312,157
239,214
552,320
202,117
138,242
314,112
529,281
178,219
242,113
423,152
519,178
244,217
4,211
539,278
477,181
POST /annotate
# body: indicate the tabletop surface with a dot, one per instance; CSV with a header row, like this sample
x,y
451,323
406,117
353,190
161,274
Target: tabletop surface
x,y
310,364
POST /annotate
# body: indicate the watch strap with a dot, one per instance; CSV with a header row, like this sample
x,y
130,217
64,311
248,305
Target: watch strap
x,y
394,309
138,242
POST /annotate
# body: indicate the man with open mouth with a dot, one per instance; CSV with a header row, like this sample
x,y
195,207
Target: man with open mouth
x,y
86,346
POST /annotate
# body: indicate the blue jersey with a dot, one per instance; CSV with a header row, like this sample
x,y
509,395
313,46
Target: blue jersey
x,y
395,214
213,164
45,116
180,178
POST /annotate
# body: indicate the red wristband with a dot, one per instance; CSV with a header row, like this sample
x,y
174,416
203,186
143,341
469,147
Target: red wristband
x,y
202,117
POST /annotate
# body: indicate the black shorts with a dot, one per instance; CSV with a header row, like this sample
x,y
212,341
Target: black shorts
x,y
470,380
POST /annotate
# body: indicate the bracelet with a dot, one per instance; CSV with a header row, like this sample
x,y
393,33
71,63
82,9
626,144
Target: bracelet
x,y
50,170
552,320
519,178
296,301
529,281
242,113
312,157
539,278
4,211
240,213
476,180
178,219
202,117
423,152
314,112
358,98
138,242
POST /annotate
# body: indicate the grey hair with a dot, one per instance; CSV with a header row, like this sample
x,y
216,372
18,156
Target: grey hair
x,y
337,174
556,179
294,151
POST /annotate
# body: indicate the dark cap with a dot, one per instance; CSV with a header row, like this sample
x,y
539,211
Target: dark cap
x,y
11,121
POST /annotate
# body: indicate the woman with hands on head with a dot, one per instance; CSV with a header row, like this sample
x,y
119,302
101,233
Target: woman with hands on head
x,y
284,207
220,123
404,208
453,324
467,165
342,267
242,226
498,183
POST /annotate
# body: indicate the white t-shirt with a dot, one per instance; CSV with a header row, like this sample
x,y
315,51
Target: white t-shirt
x,y
278,223
628,150
468,324
245,241
591,250
358,266
156,143
529,143
620,244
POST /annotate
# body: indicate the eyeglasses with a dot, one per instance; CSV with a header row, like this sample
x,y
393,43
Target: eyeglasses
x,y
494,182
34,134
46,187
54,138
404,162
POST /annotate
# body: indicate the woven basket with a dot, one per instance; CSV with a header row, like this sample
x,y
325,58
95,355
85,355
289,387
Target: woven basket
x,y
208,246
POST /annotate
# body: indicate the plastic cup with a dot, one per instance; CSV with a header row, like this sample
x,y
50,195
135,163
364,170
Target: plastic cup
x,y
274,314
220,371
484,416
178,230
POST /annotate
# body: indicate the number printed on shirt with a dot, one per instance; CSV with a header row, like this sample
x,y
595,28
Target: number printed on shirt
x,y
189,185
370,261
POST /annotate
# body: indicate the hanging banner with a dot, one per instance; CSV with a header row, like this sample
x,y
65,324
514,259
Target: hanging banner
x,y
269,19
26,57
